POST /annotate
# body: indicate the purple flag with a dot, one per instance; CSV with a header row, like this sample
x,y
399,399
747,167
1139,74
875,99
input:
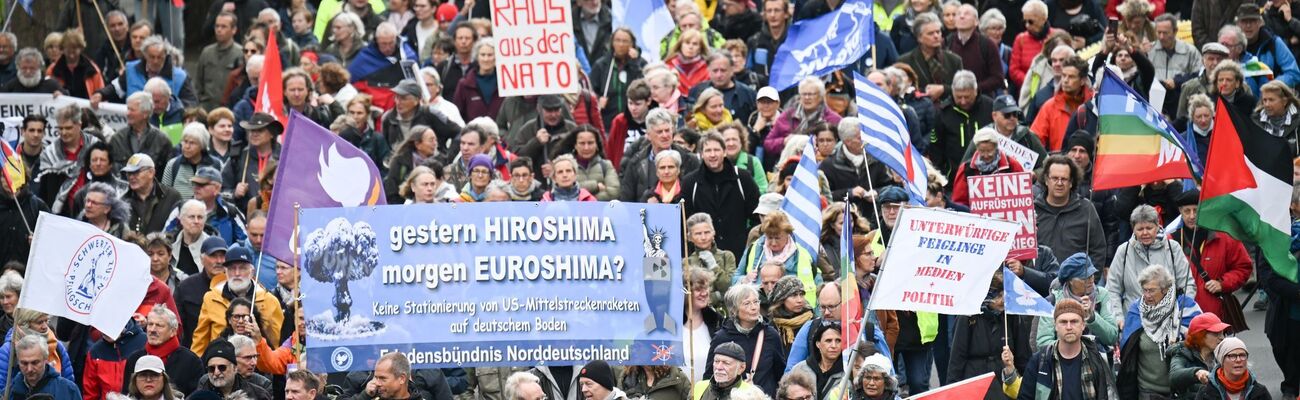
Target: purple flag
x,y
317,169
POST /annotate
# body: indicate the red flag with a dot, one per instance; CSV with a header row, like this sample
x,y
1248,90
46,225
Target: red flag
x,y
972,388
270,88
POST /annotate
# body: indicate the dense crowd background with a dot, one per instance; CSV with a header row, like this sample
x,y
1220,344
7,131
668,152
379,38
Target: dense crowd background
x,y
1144,309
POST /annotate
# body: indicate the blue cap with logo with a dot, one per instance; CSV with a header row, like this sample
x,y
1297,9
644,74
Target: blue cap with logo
x,y
239,255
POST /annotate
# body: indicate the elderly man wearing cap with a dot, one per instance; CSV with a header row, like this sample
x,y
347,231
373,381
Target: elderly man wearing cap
x,y
1233,380
410,111
222,376
596,380
1191,362
150,202
1080,370
140,136
36,375
1199,82
190,293
1266,48
244,167
223,218
537,137
729,365
239,283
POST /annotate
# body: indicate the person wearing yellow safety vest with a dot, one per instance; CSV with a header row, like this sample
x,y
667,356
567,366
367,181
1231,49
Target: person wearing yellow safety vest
x,y
777,245
729,365
916,334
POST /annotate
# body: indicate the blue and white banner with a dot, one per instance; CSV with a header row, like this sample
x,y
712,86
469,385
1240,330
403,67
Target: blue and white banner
x,y
1020,299
819,46
650,20
493,284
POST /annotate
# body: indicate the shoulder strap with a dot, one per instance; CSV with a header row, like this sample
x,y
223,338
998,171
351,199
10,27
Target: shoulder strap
x,y
758,350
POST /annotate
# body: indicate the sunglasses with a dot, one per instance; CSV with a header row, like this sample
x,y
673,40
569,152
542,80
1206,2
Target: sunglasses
x,y
218,368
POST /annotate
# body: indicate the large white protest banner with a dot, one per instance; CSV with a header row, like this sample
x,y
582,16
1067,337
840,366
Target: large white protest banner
x,y
941,261
84,274
15,106
536,51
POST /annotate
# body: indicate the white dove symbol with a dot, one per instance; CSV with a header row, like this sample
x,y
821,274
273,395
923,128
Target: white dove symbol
x,y
1023,294
346,180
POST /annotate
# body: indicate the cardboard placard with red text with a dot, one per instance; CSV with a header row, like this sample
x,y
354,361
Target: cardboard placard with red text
x,y
535,46
1010,197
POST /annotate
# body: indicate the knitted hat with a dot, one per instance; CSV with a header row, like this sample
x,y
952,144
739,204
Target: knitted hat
x,y
1077,266
220,348
1227,346
786,287
599,372
1081,138
479,160
1068,306
730,350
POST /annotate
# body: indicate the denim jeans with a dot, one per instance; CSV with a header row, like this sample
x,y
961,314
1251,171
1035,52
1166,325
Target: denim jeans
x,y
916,365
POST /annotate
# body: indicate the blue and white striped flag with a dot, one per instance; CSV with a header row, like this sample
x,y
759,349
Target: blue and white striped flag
x,y
884,131
649,19
803,200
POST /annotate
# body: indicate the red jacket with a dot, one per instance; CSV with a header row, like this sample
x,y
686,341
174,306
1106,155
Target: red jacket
x,y
961,193
688,76
618,130
1023,51
469,99
1053,117
1225,260
587,111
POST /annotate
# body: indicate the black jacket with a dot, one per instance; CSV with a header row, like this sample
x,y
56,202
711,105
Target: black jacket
x,y
740,26
46,85
604,28
729,196
16,228
954,131
150,215
444,128
639,172
842,176
425,384
183,367
1214,390
977,347
771,362
249,388
189,302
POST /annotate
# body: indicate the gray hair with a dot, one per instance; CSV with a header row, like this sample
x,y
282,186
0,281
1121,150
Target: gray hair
x,y
32,53
158,84
399,364
13,39
748,392
385,28
698,218
1170,18
197,131
142,99
1231,29
358,27
737,294
814,82
255,61
992,18
848,127
432,73
565,158
117,208
70,113
269,13
11,281
151,41
1066,48
240,342
487,126
1156,273
1034,5
964,80
1197,101
661,76
516,380
169,317
193,204
922,20
1144,213
897,78
487,41
671,154
34,341
660,116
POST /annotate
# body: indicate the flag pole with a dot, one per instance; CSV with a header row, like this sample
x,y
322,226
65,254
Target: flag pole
x,y
848,359
8,19
690,295
866,160
297,303
111,43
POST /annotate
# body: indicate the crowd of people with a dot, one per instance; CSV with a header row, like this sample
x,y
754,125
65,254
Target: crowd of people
x,y
1143,309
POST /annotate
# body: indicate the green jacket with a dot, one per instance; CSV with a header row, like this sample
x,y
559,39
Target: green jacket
x,y
1183,364
747,162
329,8
599,170
800,264
721,274
1102,324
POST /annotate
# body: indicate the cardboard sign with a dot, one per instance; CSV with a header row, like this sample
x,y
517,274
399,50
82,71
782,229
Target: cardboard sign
x,y
536,48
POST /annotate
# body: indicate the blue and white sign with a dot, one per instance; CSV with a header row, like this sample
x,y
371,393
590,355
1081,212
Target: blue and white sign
x,y
819,46
493,284
1020,299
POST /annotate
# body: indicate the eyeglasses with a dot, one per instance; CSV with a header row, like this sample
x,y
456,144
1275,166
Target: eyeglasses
x,y
828,307
1236,357
238,316
1057,179
250,51
218,368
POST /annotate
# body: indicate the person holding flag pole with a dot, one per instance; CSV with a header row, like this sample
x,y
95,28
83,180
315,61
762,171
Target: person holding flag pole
x,y
19,208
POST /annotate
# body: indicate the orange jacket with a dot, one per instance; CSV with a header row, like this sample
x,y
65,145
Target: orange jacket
x,y
1052,119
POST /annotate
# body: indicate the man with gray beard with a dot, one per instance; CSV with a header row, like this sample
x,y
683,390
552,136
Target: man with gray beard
x,y
239,284
223,378
31,75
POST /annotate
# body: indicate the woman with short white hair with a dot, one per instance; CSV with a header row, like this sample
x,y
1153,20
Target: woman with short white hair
x,y
810,108
1153,325
194,155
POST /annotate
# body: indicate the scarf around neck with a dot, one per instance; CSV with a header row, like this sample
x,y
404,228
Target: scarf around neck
x,y
565,194
1232,386
807,118
987,167
1160,322
779,257
163,350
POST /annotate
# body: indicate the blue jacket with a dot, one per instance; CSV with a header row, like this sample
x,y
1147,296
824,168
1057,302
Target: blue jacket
x,y
1277,56
1133,319
65,365
58,387
135,79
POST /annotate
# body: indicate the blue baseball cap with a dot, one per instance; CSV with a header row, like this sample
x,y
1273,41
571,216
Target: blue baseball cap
x,y
239,255
214,244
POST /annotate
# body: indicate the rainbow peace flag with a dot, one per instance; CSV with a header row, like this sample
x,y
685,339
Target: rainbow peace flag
x,y
14,172
1136,145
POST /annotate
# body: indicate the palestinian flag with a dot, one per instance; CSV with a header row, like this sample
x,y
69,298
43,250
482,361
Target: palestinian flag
x,y
1247,187
850,302
1136,145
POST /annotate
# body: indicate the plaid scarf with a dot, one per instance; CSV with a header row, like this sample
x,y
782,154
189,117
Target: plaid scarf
x,y
1087,376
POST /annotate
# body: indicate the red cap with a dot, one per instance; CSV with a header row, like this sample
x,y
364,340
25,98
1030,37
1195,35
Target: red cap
x,y
446,12
1207,322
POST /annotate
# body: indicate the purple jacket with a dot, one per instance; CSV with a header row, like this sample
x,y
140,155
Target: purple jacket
x,y
786,122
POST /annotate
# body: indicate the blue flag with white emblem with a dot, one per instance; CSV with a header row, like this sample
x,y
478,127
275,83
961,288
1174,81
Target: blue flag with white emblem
x,y
1020,299
819,46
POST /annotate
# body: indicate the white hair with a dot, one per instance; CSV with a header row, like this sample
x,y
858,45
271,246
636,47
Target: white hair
x,y
158,85
1034,5
142,100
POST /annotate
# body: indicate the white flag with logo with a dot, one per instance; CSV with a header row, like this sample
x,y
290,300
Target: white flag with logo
x,y
84,274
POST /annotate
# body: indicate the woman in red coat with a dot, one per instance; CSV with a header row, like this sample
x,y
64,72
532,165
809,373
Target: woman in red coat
x,y
1219,263
688,59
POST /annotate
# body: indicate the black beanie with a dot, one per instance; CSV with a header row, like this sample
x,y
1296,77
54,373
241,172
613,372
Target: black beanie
x,y
599,372
219,348
1082,138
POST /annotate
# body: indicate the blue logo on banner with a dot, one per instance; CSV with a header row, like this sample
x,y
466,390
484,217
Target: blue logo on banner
x,y
341,358
89,273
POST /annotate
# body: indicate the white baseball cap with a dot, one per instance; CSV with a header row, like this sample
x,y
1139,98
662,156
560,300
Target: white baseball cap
x,y
767,92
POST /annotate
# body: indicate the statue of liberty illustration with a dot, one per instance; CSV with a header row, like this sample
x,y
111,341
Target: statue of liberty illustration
x,y
658,274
